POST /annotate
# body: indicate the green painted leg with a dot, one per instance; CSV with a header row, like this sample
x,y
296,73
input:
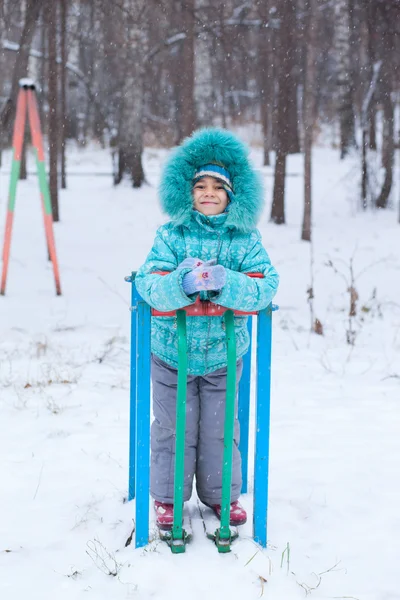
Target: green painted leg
x,y
178,534
223,536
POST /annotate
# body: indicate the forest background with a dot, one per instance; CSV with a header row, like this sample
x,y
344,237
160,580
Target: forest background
x,y
136,73
314,87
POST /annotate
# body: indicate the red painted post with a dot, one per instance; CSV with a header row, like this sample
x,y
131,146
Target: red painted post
x,y
18,137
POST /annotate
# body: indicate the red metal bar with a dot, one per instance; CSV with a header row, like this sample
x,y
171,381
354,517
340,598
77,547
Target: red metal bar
x,y
6,251
34,122
203,308
48,219
19,125
18,139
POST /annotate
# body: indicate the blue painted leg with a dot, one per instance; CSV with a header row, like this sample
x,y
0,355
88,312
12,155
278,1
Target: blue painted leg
x,y
133,394
143,425
263,396
244,410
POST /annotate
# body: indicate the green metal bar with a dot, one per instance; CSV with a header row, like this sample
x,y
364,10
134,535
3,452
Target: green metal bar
x,y
12,194
225,532
178,535
15,169
44,187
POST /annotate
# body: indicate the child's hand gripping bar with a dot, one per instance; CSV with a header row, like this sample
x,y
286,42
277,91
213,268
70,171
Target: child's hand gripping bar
x,y
202,308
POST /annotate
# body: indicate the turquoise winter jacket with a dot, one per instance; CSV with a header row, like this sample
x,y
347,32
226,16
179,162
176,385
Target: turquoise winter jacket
x,y
231,238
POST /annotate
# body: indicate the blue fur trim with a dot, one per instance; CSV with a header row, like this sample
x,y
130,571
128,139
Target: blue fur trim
x,y
211,146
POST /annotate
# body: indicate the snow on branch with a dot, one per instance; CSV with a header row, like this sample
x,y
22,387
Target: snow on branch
x,y
7,45
240,9
175,38
245,22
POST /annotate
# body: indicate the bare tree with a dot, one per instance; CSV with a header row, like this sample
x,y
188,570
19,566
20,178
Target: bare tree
x,y
371,53
187,61
366,131
282,142
130,135
289,65
388,143
184,70
203,83
309,114
32,12
386,29
51,13
344,83
63,91
265,75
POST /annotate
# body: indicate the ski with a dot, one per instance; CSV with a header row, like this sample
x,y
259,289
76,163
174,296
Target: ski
x,y
212,528
187,532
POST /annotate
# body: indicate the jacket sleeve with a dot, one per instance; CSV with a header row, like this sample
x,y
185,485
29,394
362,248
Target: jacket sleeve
x,y
245,293
162,292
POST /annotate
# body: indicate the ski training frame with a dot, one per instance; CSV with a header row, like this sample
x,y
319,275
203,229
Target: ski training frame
x,y
139,430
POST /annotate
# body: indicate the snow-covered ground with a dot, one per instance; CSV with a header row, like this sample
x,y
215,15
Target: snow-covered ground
x,y
334,524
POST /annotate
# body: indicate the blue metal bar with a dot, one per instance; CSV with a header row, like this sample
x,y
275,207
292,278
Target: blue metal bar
x,y
262,434
133,395
244,410
142,467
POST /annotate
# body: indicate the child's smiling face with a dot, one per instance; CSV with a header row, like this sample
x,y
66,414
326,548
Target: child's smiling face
x,y
209,196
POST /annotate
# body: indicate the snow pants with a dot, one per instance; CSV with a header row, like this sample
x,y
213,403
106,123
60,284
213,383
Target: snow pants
x,y
204,441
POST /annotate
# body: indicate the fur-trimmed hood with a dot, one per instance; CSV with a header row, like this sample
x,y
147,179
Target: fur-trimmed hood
x,y
212,146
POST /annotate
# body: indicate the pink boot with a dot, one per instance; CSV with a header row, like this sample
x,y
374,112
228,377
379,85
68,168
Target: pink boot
x,y
164,515
238,515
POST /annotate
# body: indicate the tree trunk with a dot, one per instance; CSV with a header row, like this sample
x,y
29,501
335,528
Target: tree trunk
x,y
371,51
365,111
32,12
131,131
33,8
364,170
23,173
186,115
220,71
131,127
372,128
388,76
53,134
265,85
42,69
345,89
203,88
63,96
278,203
387,150
282,143
290,63
309,115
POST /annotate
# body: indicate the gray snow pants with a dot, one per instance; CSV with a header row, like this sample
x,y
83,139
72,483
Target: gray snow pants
x,y
204,441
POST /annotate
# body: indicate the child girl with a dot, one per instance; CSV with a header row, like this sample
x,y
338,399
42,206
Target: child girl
x,y
214,198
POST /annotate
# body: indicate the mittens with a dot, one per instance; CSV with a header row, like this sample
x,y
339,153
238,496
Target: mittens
x,y
204,277
190,263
